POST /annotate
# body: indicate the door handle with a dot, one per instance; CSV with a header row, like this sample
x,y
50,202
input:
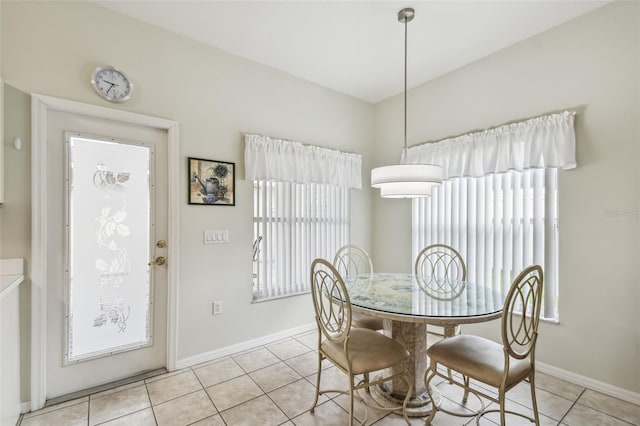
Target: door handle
x,y
159,261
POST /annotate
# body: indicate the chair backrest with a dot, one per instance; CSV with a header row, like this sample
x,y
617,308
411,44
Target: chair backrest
x,y
521,313
330,301
352,260
442,262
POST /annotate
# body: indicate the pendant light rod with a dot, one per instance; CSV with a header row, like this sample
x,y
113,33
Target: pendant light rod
x,y
405,16
405,86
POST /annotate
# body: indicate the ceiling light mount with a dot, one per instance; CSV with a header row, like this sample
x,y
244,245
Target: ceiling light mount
x,y
406,15
406,180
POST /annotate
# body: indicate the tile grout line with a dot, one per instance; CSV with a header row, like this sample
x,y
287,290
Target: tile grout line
x,y
250,399
153,412
89,398
592,408
572,405
266,394
600,411
177,397
218,412
277,406
245,373
122,416
595,409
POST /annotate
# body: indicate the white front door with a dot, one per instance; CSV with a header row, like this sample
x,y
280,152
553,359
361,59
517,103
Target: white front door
x,y
106,225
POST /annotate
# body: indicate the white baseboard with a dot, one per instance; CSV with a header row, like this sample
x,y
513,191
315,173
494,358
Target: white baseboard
x,y
25,407
587,382
242,346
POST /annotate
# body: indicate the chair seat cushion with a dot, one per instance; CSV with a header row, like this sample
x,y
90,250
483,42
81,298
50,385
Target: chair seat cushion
x,y
368,351
478,358
361,320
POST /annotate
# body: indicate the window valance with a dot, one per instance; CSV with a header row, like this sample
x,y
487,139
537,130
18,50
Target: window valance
x,y
546,141
267,158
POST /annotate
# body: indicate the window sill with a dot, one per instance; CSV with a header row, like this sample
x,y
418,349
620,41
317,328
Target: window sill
x,y
284,296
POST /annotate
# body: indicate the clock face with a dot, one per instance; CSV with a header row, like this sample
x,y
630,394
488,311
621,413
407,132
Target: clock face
x,y
112,84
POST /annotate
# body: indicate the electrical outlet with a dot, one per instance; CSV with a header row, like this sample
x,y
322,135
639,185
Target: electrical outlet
x,y
217,307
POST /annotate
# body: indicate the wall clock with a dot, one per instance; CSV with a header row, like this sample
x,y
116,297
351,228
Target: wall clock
x,y
112,84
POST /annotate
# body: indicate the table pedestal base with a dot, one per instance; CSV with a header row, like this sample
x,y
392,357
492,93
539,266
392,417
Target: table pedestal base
x,y
421,405
418,406
413,336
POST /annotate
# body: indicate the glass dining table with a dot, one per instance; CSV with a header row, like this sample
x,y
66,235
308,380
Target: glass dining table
x,y
407,303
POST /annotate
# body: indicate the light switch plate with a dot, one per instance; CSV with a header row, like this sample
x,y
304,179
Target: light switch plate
x,y
216,237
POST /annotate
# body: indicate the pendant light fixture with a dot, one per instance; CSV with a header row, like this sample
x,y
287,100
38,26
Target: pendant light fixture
x,y
406,180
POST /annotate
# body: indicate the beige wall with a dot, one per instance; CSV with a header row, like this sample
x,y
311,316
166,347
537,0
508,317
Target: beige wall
x,y
51,48
1,123
15,214
592,63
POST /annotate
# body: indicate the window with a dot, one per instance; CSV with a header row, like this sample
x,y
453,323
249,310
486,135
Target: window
x,y
498,204
300,210
500,223
294,223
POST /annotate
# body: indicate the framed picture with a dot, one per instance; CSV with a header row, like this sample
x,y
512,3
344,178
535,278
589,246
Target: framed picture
x,y
211,182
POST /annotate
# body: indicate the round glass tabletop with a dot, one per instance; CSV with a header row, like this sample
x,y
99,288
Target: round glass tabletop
x,y
398,294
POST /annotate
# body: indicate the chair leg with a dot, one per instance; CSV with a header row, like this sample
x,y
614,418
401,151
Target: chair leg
x,y
501,399
351,392
450,331
409,379
465,396
315,401
427,381
366,379
533,398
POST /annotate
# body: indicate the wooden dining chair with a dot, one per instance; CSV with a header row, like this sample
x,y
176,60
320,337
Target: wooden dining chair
x,y
353,260
355,351
500,365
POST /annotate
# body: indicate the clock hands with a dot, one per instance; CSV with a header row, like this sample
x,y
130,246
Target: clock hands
x,y
110,87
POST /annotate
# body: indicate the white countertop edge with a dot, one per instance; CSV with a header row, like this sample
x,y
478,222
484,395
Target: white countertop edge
x,y
11,273
9,282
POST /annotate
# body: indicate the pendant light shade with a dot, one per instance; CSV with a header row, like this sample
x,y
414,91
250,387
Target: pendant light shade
x,y
406,180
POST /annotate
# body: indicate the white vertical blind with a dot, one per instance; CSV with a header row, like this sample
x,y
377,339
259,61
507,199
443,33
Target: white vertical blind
x,y
500,223
295,223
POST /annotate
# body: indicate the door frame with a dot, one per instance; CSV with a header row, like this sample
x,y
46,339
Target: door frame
x,y
41,106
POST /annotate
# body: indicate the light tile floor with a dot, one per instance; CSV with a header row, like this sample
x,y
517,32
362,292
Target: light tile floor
x,y
274,385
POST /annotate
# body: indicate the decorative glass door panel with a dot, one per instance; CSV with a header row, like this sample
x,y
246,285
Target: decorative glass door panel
x,y
109,286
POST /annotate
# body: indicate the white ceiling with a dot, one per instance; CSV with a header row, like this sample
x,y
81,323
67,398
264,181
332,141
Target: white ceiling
x,y
357,47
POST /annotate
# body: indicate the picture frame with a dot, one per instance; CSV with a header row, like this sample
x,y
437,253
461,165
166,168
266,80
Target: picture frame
x,y
211,182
